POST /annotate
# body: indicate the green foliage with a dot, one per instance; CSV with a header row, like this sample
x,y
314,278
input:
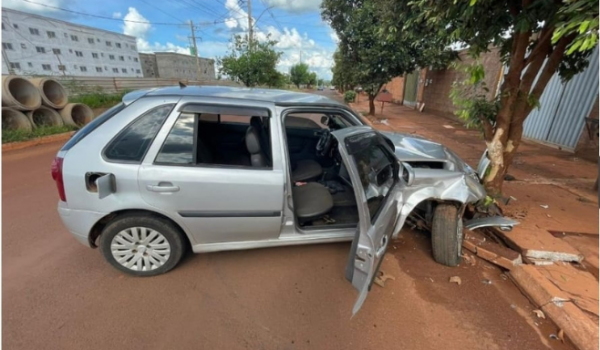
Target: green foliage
x,y
312,79
22,135
349,96
578,18
470,97
252,64
299,74
98,99
320,82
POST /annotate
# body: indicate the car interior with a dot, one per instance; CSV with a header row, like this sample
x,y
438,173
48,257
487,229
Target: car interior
x,y
322,191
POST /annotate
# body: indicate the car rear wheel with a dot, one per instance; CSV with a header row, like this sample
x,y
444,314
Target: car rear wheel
x,y
142,245
446,235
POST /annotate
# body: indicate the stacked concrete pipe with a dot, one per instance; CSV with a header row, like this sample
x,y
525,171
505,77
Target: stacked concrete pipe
x,y
52,92
13,119
20,94
44,116
76,114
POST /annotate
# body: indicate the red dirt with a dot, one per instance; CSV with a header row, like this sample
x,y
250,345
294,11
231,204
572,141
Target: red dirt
x,y
58,294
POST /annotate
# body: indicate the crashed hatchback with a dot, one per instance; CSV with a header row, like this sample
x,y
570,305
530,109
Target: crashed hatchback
x,y
223,168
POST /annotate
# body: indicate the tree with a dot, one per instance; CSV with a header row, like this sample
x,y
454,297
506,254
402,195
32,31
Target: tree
x,y
251,64
320,82
372,49
312,79
299,74
536,38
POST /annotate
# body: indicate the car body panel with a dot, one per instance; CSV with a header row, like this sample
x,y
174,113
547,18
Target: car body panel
x,y
372,239
494,221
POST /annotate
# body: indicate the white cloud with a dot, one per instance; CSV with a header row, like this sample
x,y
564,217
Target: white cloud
x,y
20,5
238,18
135,28
295,5
334,37
117,15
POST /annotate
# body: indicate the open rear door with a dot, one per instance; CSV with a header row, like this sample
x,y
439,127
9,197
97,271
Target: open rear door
x,y
373,170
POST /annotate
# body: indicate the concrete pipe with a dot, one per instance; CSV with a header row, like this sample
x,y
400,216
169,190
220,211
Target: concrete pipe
x,y
53,93
20,93
15,120
44,116
76,114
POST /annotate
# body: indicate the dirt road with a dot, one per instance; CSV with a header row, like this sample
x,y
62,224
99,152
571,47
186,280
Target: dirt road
x,y
58,294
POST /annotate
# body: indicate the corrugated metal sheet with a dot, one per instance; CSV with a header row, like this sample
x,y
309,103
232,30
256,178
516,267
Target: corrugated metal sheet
x,y
564,107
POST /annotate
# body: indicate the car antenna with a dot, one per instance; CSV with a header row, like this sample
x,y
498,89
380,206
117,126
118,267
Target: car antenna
x,y
182,85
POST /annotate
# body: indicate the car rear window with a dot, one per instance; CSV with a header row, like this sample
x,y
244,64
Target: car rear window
x,y
131,144
91,126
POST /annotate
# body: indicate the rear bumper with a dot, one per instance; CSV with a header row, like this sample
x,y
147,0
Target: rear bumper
x,y
79,222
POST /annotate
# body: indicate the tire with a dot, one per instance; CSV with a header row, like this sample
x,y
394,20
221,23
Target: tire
x,y
446,235
154,254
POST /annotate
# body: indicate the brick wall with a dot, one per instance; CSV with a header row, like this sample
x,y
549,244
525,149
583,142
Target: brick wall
x,y
436,90
396,88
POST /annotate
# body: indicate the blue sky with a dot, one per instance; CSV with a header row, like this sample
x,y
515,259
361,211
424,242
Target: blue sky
x,y
295,24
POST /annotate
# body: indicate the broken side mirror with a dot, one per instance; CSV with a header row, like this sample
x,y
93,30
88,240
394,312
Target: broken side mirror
x,y
325,120
407,173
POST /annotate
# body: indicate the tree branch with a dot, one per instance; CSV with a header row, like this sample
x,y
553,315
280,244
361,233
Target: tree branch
x,y
488,129
542,46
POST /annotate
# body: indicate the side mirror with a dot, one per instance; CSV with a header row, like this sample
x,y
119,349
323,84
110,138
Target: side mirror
x,y
407,173
325,120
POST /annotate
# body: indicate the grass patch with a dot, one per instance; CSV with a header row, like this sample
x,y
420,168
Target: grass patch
x,y
98,99
23,135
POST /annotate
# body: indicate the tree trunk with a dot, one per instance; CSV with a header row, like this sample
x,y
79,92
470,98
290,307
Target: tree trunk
x,y
372,105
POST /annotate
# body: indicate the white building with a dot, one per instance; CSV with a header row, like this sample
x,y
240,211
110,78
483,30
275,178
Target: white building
x,y
37,45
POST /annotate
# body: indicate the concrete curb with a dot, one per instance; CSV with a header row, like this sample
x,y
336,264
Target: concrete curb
x,y
13,146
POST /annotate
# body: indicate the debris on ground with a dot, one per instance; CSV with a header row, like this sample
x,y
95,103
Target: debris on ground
x,y
539,314
553,336
504,277
455,279
509,177
469,259
486,281
487,250
382,277
561,335
384,122
545,206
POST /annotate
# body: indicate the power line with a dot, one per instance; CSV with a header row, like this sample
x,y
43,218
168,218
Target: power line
x,y
103,17
161,10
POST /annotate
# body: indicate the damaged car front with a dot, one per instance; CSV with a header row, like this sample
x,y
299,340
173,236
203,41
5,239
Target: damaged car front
x,y
441,187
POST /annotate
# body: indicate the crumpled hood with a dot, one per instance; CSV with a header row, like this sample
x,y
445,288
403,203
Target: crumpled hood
x,y
416,148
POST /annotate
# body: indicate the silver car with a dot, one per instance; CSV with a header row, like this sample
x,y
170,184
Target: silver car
x,y
221,168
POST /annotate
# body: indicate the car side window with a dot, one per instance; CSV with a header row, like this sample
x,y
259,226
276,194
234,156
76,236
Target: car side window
x,y
132,143
179,145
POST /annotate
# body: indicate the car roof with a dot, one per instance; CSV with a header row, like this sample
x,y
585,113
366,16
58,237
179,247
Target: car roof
x,y
277,97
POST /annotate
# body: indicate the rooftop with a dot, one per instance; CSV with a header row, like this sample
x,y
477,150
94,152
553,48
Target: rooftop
x,y
278,97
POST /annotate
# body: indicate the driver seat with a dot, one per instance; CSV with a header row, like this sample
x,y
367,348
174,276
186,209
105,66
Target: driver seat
x,y
306,169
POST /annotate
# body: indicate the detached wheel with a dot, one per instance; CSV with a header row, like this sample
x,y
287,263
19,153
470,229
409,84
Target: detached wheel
x,y
446,235
142,245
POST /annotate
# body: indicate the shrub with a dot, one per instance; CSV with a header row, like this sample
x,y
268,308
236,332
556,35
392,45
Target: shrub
x,y
349,96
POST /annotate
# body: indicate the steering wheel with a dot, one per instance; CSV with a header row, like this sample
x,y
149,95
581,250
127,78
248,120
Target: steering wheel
x,y
324,144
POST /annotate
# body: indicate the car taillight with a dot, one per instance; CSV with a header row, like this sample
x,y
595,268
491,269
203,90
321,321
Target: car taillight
x,y
57,176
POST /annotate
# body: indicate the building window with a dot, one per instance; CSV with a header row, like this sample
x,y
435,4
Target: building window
x,y
40,49
23,46
34,31
29,64
108,43
74,38
97,40
132,69
99,69
83,68
70,50
56,51
115,70
118,45
46,67
91,41
15,65
66,35
94,55
16,26
51,35
112,57
124,70
135,59
61,67
3,26
7,46
78,53
137,71
121,58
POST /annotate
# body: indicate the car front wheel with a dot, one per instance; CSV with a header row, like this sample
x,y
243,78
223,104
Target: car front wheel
x,y
446,235
142,245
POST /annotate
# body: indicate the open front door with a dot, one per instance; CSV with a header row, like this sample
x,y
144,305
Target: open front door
x,y
373,170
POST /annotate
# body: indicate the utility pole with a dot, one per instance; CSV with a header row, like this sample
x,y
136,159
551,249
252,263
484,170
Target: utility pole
x,y
250,23
195,50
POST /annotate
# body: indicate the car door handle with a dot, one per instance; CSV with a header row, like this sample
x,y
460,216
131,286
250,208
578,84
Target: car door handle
x,y
163,187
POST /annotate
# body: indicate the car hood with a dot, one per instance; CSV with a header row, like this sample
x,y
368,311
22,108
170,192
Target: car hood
x,y
415,148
